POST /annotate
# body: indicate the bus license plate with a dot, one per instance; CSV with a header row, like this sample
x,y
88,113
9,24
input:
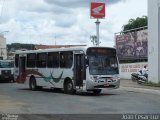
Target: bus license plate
x,y
6,77
106,85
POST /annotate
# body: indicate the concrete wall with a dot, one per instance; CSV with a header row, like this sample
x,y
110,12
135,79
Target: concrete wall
x,y
127,69
154,40
3,49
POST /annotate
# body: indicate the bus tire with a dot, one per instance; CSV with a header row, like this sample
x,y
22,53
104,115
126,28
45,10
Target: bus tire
x,y
32,84
68,87
97,92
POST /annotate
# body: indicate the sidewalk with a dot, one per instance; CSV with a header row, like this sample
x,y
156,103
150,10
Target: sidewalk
x,y
131,86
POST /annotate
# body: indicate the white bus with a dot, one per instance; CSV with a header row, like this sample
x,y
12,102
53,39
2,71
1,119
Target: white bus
x,y
71,69
6,70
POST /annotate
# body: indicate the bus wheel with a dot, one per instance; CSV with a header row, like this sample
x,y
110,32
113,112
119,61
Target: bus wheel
x,y
97,92
68,87
32,84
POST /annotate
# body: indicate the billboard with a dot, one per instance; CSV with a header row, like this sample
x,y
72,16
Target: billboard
x,y
132,45
97,10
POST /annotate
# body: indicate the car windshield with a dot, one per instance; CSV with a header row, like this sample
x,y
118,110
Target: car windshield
x,y
102,61
4,64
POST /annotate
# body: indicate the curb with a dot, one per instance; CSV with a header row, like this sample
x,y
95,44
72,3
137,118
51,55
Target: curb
x,y
141,90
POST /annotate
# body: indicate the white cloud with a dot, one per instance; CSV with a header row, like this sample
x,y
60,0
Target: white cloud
x,y
78,3
66,22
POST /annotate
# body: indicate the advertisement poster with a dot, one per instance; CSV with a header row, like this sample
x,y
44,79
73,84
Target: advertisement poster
x,y
132,45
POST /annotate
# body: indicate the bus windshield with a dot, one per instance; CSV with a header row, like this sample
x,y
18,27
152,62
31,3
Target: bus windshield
x,y
6,64
102,61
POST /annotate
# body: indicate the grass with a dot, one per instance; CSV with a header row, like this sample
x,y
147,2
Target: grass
x,y
152,84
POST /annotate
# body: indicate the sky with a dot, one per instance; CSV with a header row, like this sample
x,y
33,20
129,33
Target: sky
x,y
64,22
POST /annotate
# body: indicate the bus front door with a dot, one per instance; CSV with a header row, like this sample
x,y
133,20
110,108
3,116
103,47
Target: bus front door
x,y
79,71
22,65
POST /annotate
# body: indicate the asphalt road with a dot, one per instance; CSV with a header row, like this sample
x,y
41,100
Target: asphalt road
x,y
18,99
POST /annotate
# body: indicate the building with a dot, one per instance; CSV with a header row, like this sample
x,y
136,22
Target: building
x,y
3,48
154,40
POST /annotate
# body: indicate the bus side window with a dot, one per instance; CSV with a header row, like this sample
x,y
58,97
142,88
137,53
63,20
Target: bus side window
x,y
62,61
53,60
66,59
41,60
31,60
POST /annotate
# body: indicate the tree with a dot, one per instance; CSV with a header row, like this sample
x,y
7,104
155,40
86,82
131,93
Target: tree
x,y
17,46
133,24
94,39
136,23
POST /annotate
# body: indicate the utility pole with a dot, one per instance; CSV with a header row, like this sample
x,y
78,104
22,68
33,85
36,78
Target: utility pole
x,y
55,40
97,31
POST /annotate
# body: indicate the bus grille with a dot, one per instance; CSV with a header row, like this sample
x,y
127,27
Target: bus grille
x,y
6,72
103,86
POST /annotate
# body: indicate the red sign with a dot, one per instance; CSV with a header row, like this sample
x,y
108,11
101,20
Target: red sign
x,y
97,10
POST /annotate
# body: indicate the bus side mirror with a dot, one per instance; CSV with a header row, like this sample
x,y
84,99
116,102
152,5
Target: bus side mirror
x,y
87,62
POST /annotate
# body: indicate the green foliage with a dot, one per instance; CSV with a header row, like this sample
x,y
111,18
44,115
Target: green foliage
x,y
94,39
136,23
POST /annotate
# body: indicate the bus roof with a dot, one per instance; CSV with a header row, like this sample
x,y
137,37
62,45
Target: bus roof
x,y
84,48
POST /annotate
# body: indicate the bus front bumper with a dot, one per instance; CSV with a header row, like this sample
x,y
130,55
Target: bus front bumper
x,y
6,78
114,84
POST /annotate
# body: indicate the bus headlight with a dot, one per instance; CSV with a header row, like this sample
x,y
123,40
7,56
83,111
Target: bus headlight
x,y
12,71
94,78
115,78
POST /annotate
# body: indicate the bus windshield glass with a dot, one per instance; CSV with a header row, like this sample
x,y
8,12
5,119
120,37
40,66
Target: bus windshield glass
x,y
102,61
6,64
